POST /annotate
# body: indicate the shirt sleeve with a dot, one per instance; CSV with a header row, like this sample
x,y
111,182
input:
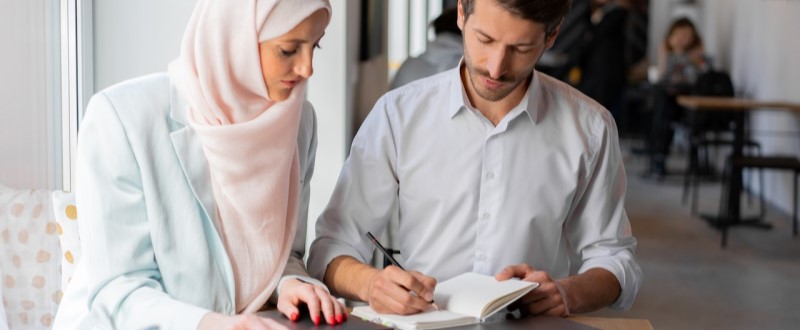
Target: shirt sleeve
x,y
124,282
598,228
364,197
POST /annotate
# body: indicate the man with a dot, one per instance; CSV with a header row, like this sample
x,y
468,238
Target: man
x,y
494,169
442,53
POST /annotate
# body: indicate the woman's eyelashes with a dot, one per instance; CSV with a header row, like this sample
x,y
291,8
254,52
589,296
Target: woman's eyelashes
x,y
293,51
287,52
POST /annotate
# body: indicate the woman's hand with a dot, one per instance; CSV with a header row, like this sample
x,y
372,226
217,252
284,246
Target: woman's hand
x,y
294,292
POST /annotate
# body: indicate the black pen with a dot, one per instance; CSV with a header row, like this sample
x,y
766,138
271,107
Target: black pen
x,y
391,259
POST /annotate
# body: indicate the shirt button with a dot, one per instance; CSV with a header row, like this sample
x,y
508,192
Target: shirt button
x,y
490,175
486,216
480,257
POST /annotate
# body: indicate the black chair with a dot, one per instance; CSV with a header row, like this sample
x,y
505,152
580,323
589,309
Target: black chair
x,y
703,137
786,163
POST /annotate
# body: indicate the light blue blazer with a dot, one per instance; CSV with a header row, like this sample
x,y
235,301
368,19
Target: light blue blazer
x,y
151,252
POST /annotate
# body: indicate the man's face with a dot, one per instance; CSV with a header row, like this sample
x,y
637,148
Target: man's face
x,y
500,49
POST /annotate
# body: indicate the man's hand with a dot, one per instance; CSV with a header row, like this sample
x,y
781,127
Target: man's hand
x,y
547,299
295,292
395,291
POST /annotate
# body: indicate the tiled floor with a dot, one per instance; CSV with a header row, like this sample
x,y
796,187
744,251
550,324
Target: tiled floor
x,y
692,283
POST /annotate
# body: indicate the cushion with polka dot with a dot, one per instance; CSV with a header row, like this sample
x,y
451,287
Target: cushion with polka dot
x,y
30,273
67,229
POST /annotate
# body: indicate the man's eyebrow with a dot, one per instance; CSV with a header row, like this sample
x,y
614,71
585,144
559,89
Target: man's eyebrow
x,y
484,34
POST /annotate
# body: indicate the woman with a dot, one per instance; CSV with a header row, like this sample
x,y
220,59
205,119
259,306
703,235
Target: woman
x,y
193,185
681,59
681,56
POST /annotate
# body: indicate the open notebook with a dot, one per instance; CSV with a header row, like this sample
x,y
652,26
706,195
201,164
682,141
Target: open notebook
x,y
465,299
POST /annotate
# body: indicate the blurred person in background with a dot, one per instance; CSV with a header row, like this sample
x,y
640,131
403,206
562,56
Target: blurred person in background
x,y
602,64
681,58
441,54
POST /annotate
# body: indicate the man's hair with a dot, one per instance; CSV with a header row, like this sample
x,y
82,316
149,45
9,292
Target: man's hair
x,y
548,12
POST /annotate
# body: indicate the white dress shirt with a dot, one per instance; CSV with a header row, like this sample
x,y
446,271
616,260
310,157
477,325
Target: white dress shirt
x,y
545,187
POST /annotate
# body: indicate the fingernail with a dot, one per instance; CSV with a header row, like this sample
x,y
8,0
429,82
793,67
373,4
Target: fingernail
x,y
339,318
428,296
293,317
345,316
330,320
316,320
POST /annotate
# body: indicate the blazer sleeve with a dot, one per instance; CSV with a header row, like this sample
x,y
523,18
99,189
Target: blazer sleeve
x,y
125,289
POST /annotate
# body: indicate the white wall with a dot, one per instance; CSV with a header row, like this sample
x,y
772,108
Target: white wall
x,y
766,65
30,131
133,38
718,18
332,92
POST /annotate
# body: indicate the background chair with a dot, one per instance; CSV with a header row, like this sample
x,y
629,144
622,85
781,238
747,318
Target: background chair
x,y
786,163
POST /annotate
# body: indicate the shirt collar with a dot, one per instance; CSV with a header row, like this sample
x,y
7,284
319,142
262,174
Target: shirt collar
x,y
458,96
459,100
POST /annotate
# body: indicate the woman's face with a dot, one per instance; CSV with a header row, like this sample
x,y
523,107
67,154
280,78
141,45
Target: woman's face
x,y
681,39
286,60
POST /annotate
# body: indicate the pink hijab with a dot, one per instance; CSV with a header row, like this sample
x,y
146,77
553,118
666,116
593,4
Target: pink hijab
x,y
250,141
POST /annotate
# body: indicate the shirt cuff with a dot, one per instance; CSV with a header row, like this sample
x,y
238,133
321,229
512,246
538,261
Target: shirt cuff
x,y
324,250
627,273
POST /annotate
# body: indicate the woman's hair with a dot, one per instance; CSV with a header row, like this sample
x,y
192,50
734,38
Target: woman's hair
x,y
548,12
683,22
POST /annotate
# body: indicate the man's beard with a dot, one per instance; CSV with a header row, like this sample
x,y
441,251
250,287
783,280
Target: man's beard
x,y
510,83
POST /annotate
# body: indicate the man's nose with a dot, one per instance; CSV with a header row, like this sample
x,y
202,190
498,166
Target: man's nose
x,y
497,63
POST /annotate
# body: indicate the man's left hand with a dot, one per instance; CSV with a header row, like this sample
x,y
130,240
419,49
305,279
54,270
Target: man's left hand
x,y
547,299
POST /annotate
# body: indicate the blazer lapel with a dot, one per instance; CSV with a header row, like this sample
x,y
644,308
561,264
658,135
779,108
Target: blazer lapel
x,y
193,159
195,168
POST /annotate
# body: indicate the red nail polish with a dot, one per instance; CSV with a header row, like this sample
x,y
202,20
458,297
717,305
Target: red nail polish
x,y
330,320
339,319
316,320
293,317
345,316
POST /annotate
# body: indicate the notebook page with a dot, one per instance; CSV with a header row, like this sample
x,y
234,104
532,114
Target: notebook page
x,y
471,293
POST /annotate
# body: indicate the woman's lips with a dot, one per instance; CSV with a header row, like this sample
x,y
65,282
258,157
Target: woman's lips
x,y
289,83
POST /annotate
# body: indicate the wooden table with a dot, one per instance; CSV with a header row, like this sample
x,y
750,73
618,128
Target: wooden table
x,y
730,204
612,323
597,322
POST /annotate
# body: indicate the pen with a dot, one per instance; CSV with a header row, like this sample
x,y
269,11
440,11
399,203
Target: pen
x,y
392,260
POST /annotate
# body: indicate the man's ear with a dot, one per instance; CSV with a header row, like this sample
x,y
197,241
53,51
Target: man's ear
x,y
552,38
460,16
